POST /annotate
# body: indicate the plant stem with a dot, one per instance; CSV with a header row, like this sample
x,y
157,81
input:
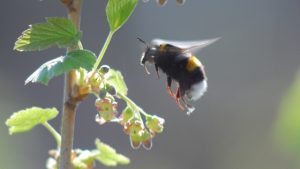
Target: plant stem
x,y
54,133
103,50
70,103
132,104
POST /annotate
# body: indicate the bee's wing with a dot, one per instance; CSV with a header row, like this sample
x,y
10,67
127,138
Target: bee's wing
x,y
186,45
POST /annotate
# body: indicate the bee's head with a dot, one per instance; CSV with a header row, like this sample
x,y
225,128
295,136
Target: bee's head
x,y
148,55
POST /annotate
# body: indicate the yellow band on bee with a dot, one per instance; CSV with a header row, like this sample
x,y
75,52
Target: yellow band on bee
x,y
162,47
192,64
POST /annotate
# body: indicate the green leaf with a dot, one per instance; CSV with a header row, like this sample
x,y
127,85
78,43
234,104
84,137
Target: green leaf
x,y
118,12
115,78
25,120
40,36
55,67
108,155
81,58
287,129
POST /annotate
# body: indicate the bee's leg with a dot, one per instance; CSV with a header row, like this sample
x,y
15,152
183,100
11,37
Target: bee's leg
x,y
156,68
178,96
189,108
169,83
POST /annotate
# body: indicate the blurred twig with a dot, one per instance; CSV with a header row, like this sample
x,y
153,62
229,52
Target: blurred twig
x,y
70,102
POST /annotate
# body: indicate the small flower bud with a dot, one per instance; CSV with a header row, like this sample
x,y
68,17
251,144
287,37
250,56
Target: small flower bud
x,y
94,80
135,142
161,2
102,93
104,69
107,110
126,115
110,89
147,144
136,127
146,140
180,2
51,163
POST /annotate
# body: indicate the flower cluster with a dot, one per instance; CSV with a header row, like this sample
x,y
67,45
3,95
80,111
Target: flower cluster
x,y
133,125
141,135
108,86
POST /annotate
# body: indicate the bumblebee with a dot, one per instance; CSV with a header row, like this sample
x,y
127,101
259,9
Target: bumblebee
x,y
176,60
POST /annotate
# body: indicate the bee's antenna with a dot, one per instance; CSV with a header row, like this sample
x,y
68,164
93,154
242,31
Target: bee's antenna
x,y
141,40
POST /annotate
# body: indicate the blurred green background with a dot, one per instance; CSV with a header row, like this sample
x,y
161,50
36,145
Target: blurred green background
x,y
239,123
